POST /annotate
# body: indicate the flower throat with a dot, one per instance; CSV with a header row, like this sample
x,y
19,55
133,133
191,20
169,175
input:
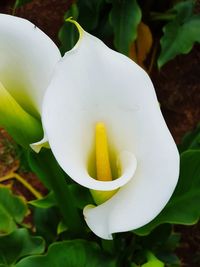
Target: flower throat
x,y
104,170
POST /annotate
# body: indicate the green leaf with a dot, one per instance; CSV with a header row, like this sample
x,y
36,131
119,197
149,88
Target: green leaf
x,y
89,13
180,34
170,259
50,173
19,3
61,227
17,245
68,34
12,210
165,251
152,261
162,240
183,207
104,30
156,238
172,242
125,17
46,202
184,9
191,140
82,196
37,166
74,253
46,222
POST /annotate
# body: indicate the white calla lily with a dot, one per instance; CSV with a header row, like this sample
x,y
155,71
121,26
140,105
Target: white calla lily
x,y
95,84
28,57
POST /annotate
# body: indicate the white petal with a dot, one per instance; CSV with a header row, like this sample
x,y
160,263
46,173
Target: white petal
x,y
39,145
28,57
94,83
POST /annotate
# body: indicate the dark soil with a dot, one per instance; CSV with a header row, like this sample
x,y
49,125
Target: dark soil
x,y
189,249
10,162
178,89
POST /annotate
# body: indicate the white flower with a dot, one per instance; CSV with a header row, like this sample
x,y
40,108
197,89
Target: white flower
x,y
28,57
95,84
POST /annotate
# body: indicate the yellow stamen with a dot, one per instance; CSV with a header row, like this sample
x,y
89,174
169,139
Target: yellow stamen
x,y
103,169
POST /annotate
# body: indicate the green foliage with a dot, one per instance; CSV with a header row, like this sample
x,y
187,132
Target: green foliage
x,y
191,140
162,241
61,227
152,261
19,244
82,196
156,238
89,13
68,34
120,17
74,253
12,210
183,207
38,167
46,223
180,34
19,3
125,17
170,259
50,173
46,202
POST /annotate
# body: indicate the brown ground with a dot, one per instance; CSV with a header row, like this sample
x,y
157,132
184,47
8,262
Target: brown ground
x,y
177,86
178,90
9,161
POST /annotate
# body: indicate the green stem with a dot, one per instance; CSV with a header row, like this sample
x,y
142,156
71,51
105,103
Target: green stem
x,y
162,16
22,181
13,11
47,169
153,56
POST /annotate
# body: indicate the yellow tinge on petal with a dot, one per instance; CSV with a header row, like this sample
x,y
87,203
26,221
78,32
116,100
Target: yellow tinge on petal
x,y
103,166
23,127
